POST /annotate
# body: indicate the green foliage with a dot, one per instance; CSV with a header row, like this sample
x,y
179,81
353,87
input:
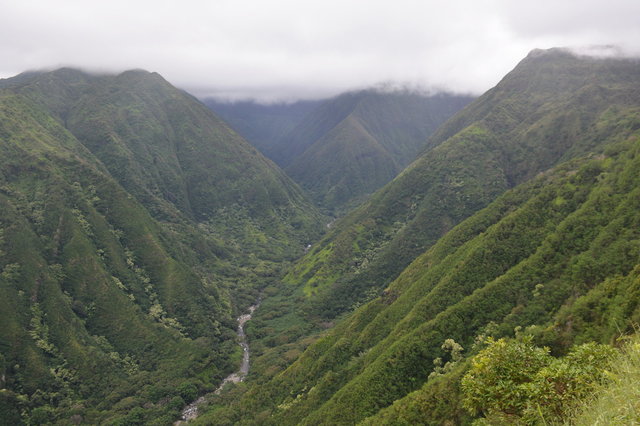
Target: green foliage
x,y
111,292
351,145
188,391
556,256
499,378
513,381
39,331
10,407
42,415
617,402
11,272
455,354
558,387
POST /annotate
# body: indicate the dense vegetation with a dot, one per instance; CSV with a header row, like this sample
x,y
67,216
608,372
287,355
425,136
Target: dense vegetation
x,y
553,106
263,125
618,401
488,283
555,258
517,383
134,225
353,144
344,148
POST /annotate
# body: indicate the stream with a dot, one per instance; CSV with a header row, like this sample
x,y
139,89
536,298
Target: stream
x,y
190,412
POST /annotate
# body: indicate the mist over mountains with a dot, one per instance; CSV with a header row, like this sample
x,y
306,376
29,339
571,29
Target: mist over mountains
x,y
537,176
137,224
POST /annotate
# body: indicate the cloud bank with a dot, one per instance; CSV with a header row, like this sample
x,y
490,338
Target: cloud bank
x,y
286,49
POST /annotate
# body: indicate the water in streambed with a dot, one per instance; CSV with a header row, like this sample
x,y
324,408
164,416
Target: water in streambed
x,y
191,411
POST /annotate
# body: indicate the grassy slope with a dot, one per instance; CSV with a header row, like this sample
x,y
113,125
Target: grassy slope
x,y
543,112
618,402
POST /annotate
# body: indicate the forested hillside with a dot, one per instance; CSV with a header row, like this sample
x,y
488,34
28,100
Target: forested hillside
x,y
173,154
547,110
353,144
343,148
554,259
134,225
489,281
263,125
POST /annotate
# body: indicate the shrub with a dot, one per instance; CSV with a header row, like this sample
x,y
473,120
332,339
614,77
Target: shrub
x,y
516,382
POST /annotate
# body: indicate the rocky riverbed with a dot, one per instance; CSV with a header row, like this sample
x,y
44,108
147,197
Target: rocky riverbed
x,y
190,412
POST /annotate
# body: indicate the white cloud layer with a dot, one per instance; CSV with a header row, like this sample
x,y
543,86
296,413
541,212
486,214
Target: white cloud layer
x,y
288,49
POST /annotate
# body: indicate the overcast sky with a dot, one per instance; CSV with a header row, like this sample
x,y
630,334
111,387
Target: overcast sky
x,y
289,49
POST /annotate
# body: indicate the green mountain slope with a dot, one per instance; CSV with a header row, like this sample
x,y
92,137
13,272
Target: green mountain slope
x,y
355,143
557,256
344,165
134,224
95,295
545,111
173,154
312,127
263,125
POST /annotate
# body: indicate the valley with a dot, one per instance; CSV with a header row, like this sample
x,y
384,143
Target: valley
x,y
342,149
489,249
377,257
191,411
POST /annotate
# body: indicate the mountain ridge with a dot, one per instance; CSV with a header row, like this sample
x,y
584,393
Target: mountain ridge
x,y
355,143
343,148
124,253
551,258
506,136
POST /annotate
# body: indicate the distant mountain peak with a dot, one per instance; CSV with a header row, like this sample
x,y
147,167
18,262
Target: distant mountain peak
x,y
596,51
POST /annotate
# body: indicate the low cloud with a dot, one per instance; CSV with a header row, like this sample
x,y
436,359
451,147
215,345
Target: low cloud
x,y
285,49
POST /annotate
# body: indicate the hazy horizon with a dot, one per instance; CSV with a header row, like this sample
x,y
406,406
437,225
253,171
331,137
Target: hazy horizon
x,y
287,50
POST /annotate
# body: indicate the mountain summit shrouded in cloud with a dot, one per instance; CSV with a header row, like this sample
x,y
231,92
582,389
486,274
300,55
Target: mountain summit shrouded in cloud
x,y
288,50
